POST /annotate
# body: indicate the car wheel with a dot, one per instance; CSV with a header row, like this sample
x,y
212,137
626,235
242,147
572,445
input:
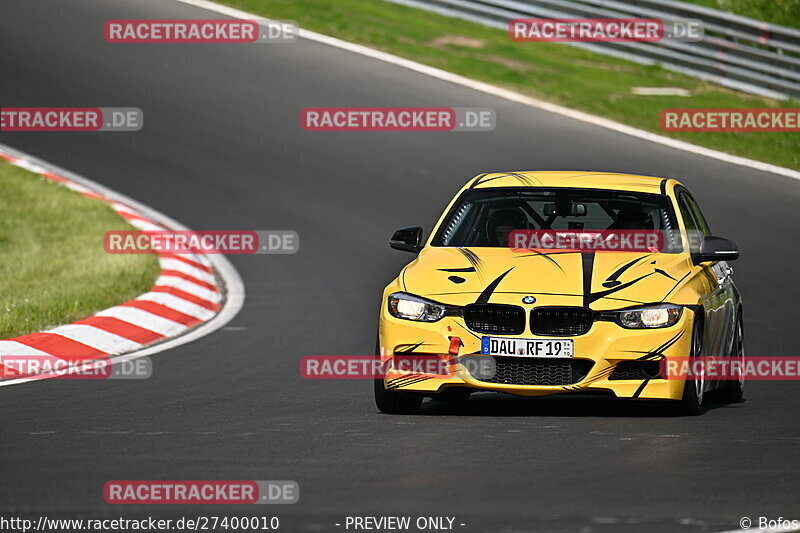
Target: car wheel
x,y
733,389
395,402
692,400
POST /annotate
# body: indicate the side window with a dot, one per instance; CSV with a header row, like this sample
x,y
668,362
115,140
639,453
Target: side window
x,y
698,215
686,213
690,224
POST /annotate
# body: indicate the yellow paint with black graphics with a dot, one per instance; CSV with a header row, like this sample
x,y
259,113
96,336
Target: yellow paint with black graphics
x,y
555,279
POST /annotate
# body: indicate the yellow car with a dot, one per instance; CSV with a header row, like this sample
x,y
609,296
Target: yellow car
x,y
534,322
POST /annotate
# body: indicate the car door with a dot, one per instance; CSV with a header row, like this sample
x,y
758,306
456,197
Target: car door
x,y
719,304
722,272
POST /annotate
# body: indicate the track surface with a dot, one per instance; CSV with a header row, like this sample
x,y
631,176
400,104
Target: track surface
x,y
222,149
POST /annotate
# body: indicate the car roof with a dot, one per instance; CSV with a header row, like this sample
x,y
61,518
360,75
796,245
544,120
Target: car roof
x,y
571,178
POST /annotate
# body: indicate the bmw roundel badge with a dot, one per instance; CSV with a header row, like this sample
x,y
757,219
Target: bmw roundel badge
x,y
528,300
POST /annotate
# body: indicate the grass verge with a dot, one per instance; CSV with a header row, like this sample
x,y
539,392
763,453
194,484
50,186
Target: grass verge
x,y
554,72
782,12
54,269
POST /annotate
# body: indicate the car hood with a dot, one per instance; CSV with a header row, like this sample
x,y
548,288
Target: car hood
x,y
601,280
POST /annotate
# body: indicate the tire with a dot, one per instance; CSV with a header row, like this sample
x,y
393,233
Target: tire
x,y
395,402
692,401
733,389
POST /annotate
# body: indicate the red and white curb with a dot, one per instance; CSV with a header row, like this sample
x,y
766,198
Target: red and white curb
x,y
192,296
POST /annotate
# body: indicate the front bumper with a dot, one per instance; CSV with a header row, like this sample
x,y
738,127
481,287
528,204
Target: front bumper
x,y
605,346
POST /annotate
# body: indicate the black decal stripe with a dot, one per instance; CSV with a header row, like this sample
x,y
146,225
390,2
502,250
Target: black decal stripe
x,y
660,350
474,260
487,180
546,256
665,274
470,253
407,380
537,253
408,348
524,179
587,265
657,353
627,300
465,269
605,372
640,389
487,292
621,270
676,286
600,375
602,294
477,180
406,384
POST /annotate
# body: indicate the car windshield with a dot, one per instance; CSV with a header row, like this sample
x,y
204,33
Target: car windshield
x,y
485,217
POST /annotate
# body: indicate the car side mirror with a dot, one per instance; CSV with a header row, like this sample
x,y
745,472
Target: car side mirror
x,y
716,249
407,239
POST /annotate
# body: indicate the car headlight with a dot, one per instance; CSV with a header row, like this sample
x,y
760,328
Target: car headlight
x,y
410,307
657,316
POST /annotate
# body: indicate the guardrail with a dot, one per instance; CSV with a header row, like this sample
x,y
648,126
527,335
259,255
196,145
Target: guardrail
x,y
737,52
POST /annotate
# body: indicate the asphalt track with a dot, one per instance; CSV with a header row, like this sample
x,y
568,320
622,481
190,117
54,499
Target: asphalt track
x,y
222,149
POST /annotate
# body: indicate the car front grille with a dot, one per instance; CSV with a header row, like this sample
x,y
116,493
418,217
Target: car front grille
x,y
537,371
495,318
561,320
636,370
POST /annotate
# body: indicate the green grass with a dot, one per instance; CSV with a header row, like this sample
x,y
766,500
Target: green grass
x,y
54,269
554,72
783,12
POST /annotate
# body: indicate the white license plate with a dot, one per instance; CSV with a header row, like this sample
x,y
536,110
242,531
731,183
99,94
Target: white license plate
x,y
527,347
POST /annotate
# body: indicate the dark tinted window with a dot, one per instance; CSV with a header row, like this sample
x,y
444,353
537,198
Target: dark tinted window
x,y
686,214
700,220
485,217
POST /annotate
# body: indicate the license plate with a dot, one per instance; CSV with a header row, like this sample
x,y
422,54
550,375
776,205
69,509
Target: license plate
x,y
527,347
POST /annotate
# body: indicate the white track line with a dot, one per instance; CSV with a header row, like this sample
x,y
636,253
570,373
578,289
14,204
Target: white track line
x,y
508,95
232,282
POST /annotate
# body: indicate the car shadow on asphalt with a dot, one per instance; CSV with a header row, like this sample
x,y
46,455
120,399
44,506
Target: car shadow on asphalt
x,y
573,405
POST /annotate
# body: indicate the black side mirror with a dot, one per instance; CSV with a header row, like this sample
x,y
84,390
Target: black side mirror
x,y
716,249
407,239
